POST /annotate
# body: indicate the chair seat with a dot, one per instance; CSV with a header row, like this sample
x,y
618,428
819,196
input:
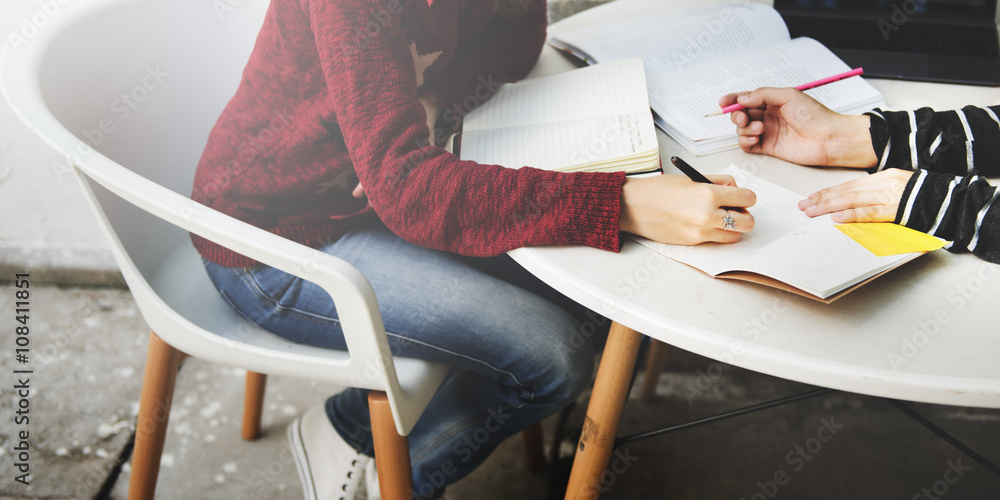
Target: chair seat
x,y
181,282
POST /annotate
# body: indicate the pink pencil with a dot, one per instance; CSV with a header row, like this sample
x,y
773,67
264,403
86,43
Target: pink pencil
x,y
805,86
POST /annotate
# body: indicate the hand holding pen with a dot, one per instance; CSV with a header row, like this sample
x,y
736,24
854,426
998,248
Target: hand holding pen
x,y
729,108
672,209
735,215
788,124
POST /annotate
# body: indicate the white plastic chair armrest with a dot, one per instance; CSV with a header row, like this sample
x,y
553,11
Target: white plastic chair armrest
x,y
350,290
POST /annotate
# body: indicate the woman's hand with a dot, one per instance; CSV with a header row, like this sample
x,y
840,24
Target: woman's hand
x,y
788,124
873,198
675,209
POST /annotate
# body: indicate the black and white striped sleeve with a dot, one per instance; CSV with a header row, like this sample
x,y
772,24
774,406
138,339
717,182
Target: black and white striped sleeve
x,y
960,209
950,149
954,142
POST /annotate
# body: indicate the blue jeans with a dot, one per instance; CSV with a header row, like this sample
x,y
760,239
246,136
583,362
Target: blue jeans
x,y
520,351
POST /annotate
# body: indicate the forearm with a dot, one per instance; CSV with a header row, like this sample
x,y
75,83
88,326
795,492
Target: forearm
x,y
959,209
953,142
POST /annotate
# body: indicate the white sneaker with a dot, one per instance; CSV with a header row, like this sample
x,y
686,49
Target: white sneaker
x,y
328,467
371,481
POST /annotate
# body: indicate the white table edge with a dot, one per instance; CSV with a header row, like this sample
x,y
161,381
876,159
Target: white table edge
x,y
959,391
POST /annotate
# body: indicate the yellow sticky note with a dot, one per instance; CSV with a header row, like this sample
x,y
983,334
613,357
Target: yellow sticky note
x,y
884,238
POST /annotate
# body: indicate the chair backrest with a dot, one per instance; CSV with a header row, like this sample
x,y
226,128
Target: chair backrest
x,y
143,83
128,90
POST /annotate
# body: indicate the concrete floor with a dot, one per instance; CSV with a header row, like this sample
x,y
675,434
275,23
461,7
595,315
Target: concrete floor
x,y
88,352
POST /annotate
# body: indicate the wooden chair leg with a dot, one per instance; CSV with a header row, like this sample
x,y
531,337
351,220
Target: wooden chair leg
x,y
253,404
604,413
534,447
162,362
654,367
392,451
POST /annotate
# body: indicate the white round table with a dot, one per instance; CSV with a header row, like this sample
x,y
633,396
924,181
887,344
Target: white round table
x,y
928,331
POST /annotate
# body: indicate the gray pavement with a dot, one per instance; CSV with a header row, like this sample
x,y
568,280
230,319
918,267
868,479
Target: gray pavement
x,y
87,351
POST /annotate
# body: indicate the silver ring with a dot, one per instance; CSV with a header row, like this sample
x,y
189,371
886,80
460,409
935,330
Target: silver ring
x,y
728,221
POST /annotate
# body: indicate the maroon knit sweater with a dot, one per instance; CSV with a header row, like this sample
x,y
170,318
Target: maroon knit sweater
x,y
329,96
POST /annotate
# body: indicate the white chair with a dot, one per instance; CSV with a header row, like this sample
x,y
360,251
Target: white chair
x,y
127,91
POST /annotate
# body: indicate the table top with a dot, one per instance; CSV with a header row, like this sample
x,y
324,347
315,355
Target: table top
x,y
926,331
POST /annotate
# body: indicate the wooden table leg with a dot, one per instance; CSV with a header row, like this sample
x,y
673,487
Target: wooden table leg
x,y
603,413
654,367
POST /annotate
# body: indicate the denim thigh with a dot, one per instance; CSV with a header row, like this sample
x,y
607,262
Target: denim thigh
x,y
488,315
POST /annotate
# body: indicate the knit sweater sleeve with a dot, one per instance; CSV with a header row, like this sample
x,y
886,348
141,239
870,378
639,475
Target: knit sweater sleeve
x,y
504,51
423,193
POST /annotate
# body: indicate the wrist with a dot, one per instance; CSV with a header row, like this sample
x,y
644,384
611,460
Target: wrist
x,y
850,143
626,219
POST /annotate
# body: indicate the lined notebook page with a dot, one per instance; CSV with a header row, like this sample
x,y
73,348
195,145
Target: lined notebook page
x,y
785,244
775,215
584,116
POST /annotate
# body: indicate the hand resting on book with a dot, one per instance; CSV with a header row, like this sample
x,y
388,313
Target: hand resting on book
x,y
788,124
874,198
930,177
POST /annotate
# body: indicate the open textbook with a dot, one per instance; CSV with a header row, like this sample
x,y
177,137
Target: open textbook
x,y
589,119
786,249
694,57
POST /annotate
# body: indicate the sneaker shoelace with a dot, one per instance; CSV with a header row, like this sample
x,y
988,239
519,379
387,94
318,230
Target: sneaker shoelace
x,y
354,477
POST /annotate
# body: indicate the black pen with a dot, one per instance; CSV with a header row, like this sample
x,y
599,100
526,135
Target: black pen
x,y
689,170
697,177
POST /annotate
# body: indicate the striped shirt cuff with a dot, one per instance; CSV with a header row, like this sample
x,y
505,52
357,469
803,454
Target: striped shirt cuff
x,y
961,209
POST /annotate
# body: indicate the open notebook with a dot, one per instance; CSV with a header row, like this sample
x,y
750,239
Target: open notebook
x,y
589,119
786,249
694,57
